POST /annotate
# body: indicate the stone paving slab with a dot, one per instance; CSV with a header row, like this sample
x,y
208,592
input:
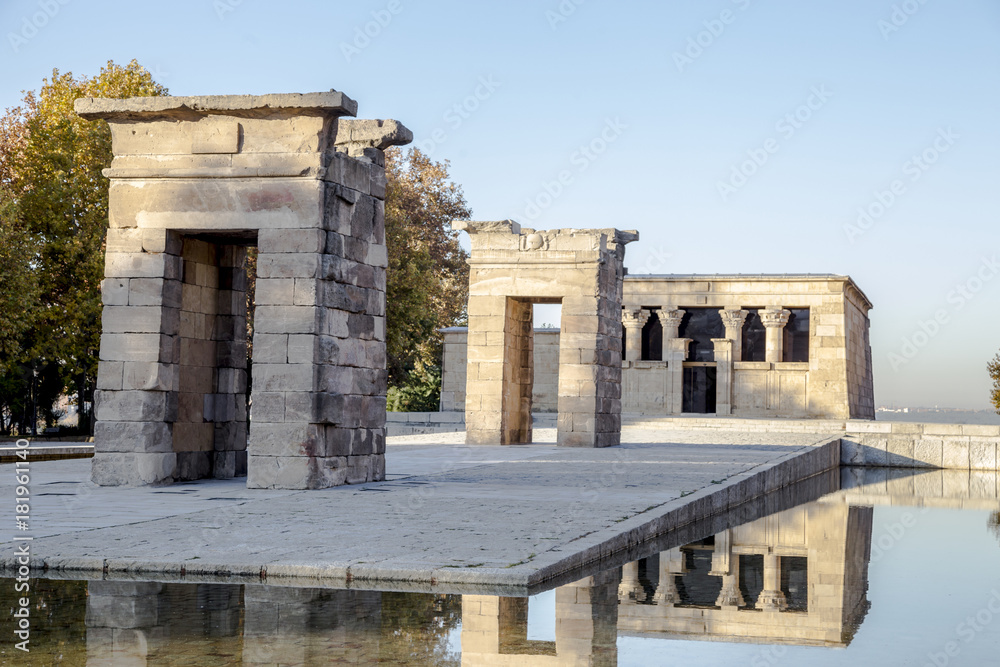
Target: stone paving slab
x,y
499,515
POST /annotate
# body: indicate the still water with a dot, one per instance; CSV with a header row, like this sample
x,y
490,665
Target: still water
x,y
898,571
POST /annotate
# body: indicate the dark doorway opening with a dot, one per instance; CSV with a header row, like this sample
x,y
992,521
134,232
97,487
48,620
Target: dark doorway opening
x,y
699,389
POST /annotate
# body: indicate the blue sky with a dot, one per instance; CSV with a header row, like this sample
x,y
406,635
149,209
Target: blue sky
x,y
684,93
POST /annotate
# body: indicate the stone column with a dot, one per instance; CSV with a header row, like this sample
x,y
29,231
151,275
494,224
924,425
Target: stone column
x,y
675,355
771,598
724,565
774,321
590,372
138,372
733,319
499,371
587,621
630,589
634,320
724,376
671,565
670,321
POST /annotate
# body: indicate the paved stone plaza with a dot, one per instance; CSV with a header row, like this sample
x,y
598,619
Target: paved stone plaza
x,y
446,513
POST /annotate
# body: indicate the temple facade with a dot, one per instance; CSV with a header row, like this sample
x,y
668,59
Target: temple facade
x,y
732,345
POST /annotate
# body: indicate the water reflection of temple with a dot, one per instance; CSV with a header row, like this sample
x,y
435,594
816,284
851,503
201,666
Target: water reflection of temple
x,y
796,577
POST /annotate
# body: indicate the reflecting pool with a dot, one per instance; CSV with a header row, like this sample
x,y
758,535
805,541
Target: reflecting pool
x,y
890,569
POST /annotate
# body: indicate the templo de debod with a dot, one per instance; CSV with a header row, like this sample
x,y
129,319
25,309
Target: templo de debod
x,y
736,345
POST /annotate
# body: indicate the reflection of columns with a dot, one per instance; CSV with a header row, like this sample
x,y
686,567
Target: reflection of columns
x,y
733,319
723,565
586,628
630,589
309,626
123,622
771,598
634,320
671,564
670,320
723,376
774,321
675,355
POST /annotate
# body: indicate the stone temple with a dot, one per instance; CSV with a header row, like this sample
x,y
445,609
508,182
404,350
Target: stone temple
x,y
793,346
195,181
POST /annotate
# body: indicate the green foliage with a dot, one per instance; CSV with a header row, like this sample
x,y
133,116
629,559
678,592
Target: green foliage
x,y
428,277
57,200
421,392
993,368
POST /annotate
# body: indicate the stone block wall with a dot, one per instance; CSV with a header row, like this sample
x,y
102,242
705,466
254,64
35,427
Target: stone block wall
x,y
836,382
194,181
860,380
545,356
510,269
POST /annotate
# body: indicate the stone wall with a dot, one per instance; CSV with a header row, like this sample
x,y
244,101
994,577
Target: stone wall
x,y
545,355
836,381
195,180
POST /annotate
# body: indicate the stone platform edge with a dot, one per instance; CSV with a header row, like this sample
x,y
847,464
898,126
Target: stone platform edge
x,y
788,469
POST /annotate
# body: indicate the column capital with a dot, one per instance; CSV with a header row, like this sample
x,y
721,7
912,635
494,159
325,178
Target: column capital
x,y
774,317
733,318
669,316
634,318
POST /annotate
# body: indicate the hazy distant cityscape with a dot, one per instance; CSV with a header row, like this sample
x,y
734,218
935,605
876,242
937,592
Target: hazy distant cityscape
x,y
936,415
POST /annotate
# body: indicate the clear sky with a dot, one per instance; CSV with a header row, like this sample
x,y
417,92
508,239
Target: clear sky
x,y
881,105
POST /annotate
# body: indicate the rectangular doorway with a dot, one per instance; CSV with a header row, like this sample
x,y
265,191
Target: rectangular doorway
x,y
699,389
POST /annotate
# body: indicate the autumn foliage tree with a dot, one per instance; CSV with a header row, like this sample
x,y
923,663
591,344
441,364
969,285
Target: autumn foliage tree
x,y
53,221
428,277
57,210
993,368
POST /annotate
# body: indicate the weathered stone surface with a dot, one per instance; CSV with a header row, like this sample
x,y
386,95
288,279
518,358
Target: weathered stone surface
x,y
835,383
194,181
511,268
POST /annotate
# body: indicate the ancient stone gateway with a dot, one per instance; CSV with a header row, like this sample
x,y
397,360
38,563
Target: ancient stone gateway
x,y
194,182
511,269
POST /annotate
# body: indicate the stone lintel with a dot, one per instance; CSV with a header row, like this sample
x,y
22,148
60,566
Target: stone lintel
x,y
487,227
330,103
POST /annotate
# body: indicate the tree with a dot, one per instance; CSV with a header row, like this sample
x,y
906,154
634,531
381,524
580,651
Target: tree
x,y
993,368
428,277
50,167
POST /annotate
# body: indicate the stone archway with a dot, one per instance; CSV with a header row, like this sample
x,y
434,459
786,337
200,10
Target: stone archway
x,y
512,268
194,180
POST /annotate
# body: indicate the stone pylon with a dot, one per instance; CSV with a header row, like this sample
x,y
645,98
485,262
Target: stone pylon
x,y
513,268
195,181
